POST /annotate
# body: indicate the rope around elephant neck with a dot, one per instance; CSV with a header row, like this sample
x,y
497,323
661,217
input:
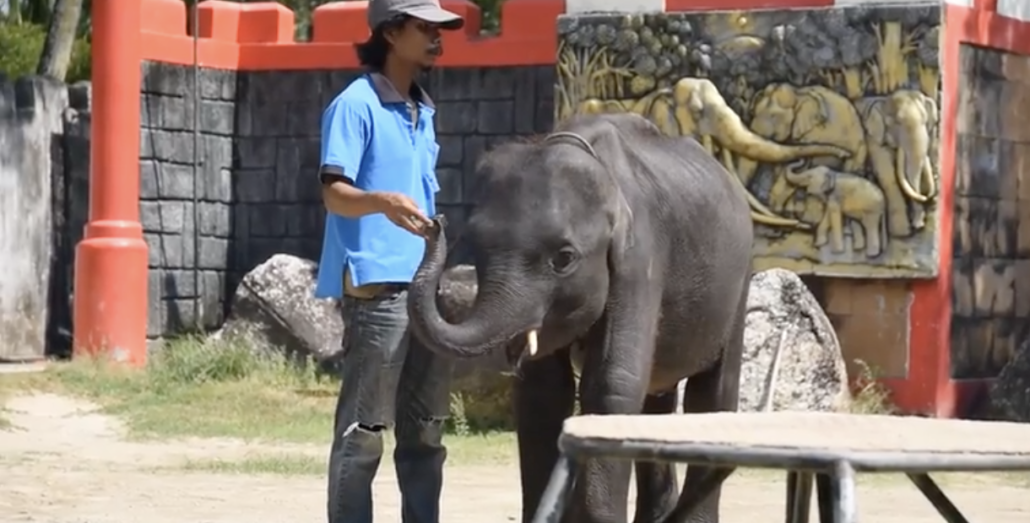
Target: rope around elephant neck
x,y
575,138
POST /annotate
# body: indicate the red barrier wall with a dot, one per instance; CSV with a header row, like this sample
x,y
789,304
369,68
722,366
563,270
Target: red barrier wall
x,y
259,36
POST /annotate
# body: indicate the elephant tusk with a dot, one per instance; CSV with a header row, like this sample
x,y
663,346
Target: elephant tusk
x,y
778,221
899,173
928,178
531,343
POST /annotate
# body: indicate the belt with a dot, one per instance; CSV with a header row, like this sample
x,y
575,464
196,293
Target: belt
x,y
372,290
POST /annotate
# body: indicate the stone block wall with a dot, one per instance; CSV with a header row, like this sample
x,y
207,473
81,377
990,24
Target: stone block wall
x,y
257,192
991,237
185,265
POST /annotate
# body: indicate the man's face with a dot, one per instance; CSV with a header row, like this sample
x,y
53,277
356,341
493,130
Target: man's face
x,y
417,42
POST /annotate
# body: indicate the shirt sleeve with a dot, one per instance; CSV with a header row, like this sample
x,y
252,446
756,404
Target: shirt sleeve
x,y
345,133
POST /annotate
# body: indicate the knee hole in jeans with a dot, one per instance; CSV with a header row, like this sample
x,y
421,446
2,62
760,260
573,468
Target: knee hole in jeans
x,y
371,428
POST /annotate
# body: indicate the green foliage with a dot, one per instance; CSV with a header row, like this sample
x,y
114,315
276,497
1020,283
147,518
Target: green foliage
x,y
22,44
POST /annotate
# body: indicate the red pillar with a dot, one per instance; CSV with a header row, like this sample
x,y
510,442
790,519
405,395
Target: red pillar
x,y
111,261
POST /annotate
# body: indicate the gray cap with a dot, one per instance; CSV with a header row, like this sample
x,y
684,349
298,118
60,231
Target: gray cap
x,y
380,11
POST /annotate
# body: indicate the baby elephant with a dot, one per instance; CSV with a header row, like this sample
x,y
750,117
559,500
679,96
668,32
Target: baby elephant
x,y
846,196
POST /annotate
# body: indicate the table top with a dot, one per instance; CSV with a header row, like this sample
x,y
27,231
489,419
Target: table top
x,y
803,440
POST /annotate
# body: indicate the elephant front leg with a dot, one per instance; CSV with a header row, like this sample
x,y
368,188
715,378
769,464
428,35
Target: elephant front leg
x,y
918,216
656,482
822,229
898,224
620,351
544,395
836,227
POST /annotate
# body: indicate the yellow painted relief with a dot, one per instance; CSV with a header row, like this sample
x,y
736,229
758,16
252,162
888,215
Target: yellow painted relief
x,y
828,118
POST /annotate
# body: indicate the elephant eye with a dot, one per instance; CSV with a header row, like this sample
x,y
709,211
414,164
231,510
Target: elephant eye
x,y
564,259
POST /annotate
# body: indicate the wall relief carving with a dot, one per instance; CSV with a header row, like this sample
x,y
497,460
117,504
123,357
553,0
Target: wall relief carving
x,y
829,119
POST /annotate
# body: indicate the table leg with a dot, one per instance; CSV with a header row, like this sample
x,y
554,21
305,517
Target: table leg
x,y
824,497
559,490
799,496
937,498
842,490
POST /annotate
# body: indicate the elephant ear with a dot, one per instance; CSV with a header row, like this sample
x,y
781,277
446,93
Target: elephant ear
x,y
876,124
809,113
932,114
622,230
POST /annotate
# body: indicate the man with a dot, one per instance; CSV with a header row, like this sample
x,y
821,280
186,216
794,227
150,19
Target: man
x,y
378,159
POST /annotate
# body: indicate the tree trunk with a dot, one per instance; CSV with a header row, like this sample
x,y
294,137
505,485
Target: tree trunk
x,y
60,37
14,11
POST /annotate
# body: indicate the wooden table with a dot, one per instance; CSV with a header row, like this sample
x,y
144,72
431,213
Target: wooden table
x,y
812,447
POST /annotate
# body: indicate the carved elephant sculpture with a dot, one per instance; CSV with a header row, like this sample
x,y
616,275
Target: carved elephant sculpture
x,y
694,107
846,197
900,129
788,114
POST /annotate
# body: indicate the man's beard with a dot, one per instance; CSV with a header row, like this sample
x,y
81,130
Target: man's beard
x,y
437,52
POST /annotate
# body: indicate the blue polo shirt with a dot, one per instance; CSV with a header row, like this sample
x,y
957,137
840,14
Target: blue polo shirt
x,y
369,139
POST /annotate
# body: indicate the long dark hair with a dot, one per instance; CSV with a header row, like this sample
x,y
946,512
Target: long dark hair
x,y
372,53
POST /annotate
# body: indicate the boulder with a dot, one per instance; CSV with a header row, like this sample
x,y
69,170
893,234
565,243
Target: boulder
x,y
792,358
1010,392
274,308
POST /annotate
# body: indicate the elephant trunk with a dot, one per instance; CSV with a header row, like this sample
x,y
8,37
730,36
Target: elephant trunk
x,y
490,324
912,160
790,172
746,143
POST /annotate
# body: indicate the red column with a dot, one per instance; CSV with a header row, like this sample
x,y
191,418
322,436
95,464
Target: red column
x,y
111,261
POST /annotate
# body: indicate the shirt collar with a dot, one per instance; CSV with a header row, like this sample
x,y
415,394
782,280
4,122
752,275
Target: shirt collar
x,y
388,93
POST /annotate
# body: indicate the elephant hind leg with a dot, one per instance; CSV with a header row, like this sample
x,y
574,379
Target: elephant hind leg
x,y
873,227
705,393
657,488
858,236
716,390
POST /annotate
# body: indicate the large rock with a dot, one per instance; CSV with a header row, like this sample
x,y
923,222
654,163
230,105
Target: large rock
x,y
792,359
1010,392
275,308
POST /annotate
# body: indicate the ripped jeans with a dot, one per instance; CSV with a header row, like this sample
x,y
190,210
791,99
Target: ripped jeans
x,y
389,379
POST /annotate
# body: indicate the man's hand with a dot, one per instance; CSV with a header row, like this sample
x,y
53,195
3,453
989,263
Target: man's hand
x,y
403,212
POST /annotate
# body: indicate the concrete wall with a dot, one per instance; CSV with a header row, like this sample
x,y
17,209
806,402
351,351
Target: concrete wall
x,y
31,114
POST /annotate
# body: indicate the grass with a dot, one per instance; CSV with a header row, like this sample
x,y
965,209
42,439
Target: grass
x,y
197,388
192,388
277,464
870,396
494,449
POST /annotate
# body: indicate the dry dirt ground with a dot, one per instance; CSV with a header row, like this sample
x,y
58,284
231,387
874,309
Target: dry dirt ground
x,y
65,463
